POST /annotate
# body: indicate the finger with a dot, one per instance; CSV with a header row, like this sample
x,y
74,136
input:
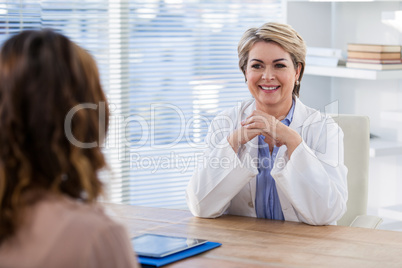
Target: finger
x,y
257,125
244,122
251,118
249,134
251,125
256,118
269,131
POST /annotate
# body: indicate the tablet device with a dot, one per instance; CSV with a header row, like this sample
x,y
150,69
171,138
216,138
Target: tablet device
x,y
158,246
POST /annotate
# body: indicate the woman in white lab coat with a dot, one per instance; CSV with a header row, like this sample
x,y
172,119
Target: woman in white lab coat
x,y
272,156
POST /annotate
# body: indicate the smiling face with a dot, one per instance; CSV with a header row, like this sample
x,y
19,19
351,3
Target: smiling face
x,y
271,76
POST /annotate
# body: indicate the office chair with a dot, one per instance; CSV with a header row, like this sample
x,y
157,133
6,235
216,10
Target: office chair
x,y
356,131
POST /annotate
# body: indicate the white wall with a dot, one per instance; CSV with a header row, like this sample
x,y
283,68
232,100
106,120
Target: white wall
x,y
313,22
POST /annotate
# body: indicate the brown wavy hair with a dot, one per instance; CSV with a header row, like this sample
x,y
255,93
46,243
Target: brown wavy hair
x,y
43,76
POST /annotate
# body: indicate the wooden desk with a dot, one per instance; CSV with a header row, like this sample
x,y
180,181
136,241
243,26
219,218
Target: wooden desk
x,y
249,242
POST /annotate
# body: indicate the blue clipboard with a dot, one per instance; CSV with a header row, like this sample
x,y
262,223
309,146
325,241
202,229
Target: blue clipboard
x,y
158,262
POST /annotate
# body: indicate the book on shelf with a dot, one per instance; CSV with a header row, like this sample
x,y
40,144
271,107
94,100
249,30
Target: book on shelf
x,y
373,48
375,61
374,66
322,56
374,55
324,61
324,52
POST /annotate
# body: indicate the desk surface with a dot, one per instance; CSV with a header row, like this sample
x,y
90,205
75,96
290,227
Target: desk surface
x,y
250,242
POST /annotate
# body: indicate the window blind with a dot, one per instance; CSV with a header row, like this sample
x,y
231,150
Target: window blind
x,y
168,68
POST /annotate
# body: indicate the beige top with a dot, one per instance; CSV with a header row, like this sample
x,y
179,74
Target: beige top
x,y
60,232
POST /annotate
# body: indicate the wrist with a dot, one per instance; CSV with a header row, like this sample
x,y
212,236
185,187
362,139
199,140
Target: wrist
x,y
234,140
292,141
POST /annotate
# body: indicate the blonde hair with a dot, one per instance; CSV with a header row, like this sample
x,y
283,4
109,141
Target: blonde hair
x,y
283,35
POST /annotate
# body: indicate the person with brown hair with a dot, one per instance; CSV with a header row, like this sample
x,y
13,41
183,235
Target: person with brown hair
x,y
272,156
49,186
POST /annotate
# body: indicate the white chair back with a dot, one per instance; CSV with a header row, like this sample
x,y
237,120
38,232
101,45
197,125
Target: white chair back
x,y
356,131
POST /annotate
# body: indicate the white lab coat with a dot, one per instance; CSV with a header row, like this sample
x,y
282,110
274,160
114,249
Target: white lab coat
x,y
312,185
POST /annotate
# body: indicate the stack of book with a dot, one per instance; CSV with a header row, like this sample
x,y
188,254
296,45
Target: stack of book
x,y
374,57
322,56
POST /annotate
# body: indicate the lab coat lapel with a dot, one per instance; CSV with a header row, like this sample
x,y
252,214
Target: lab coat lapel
x,y
251,148
299,115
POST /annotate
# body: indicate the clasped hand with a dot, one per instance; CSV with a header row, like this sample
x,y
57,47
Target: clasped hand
x,y
261,123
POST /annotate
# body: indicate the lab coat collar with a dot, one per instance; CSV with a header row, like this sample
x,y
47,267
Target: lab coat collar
x,y
299,115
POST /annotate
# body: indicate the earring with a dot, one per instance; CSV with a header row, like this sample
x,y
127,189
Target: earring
x,y
297,82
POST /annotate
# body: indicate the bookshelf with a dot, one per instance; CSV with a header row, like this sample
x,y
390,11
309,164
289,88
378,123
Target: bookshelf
x,y
344,72
378,146
358,91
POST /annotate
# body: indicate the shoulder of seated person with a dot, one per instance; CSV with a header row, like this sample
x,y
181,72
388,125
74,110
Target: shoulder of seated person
x,y
73,213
